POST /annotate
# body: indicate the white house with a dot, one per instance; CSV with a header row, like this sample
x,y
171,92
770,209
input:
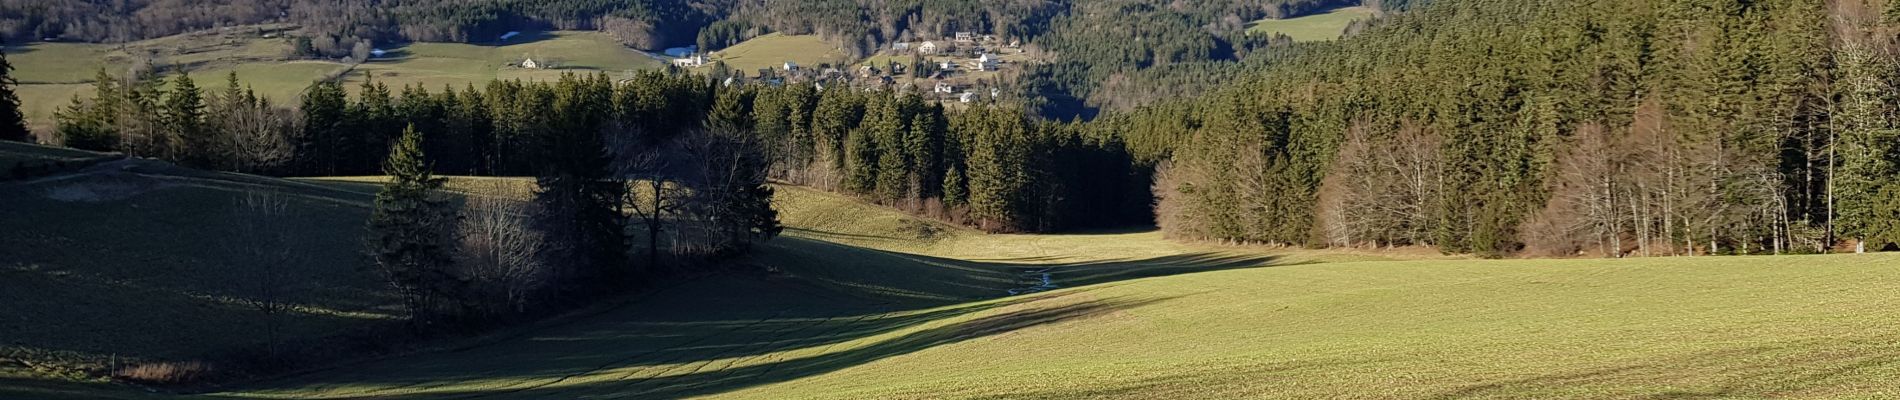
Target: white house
x,y
966,37
927,48
986,62
530,64
695,61
900,46
790,66
947,65
945,87
967,97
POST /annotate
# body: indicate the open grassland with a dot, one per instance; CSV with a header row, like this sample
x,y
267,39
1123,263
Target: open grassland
x,y
127,262
857,301
773,50
869,304
51,74
1322,26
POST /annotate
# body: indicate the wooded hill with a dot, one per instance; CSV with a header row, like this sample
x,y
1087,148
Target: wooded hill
x,y
1552,127
1549,127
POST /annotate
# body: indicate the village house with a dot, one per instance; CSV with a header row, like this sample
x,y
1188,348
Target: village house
x,y
790,66
967,97
945,88
966,37
530,64
927,48
985,62
695,61
947,65
900,47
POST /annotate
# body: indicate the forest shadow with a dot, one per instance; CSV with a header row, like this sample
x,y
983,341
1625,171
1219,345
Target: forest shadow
x,y
741,330
687,379
916,278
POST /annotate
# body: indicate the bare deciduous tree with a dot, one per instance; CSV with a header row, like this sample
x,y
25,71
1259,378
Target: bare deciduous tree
x,y
500,254
268,258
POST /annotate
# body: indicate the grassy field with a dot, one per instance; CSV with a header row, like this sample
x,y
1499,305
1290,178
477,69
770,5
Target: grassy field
x,y
52,73
871,304
773,50
857,301
132,261
1323,26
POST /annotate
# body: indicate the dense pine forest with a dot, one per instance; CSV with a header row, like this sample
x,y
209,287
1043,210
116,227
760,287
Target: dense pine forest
x,y
1551,127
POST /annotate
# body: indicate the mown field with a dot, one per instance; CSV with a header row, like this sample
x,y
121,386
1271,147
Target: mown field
x,y
857,301
1322,26
773,50
51,74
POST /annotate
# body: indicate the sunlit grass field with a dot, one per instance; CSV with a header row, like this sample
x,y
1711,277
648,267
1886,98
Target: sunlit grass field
x,y
773,50
1137,317
1323,26
859,301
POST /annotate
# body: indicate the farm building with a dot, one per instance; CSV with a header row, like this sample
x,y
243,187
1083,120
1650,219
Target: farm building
x,y
530,64
695,61
945,87
967,97
985,62
927,48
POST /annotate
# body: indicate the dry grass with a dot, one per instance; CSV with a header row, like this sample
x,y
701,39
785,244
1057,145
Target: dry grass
x,y
164,372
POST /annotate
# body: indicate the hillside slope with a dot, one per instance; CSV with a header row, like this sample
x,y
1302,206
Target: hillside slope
x,y
880,312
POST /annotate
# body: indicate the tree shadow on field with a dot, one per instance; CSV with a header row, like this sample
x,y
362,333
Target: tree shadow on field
x,y
692,379
914,278
830,307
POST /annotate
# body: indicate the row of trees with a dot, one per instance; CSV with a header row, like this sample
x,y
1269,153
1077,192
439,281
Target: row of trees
x,y
230,129
1552,127
605,179
993,167
613,162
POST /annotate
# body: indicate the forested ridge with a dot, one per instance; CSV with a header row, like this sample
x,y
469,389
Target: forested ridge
x,y
1552,127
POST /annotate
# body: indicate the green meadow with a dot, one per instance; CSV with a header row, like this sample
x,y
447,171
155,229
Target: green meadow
x,y
773,50
860,301
1322,26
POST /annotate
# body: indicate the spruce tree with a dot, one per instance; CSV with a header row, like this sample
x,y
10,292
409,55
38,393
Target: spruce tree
x,y
184,125
325,142
12,123
408,235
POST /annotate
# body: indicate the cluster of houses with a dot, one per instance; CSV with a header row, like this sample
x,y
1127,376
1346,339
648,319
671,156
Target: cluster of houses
x,y
945,52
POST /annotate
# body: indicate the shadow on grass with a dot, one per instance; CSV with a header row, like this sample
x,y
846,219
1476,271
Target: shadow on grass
x,y
725,371
834,307
905,277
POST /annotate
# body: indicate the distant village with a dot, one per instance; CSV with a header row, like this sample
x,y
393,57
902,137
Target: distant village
x,y
960,68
